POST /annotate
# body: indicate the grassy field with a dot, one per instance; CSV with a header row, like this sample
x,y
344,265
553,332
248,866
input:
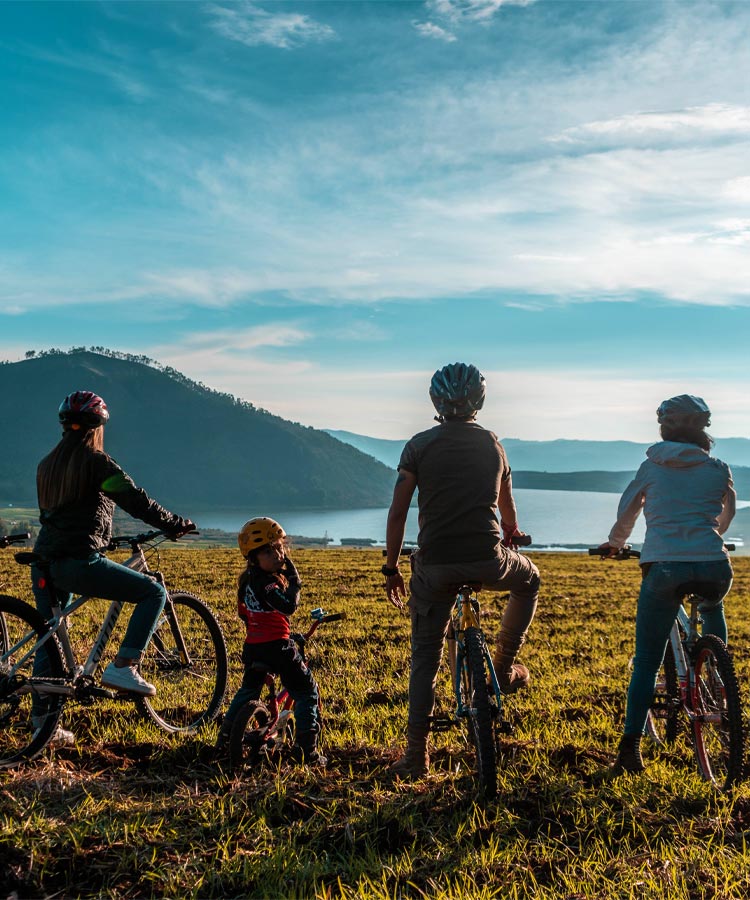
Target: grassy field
x,y
130,812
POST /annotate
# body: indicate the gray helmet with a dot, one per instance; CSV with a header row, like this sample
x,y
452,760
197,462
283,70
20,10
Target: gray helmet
x,y
684,405
457,390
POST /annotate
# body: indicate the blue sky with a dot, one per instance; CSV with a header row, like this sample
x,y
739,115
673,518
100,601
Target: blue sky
x,y
314,205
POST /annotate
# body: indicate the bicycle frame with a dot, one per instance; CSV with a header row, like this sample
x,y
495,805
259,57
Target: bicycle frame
x,y
466,615
58,625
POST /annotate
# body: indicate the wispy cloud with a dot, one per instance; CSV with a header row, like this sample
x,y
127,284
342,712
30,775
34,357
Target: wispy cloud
x,y
712,120
431,30
471,10
249,24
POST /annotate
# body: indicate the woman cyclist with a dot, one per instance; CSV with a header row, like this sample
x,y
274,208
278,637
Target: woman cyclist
x,y
78,485
688,501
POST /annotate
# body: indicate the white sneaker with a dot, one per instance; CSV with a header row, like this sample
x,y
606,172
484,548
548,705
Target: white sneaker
x,y
61,737
127,678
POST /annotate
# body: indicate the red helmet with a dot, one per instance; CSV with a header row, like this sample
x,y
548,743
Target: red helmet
x,y
83,408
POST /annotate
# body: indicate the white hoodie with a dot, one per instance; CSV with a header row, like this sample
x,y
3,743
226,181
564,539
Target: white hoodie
x,y
688,500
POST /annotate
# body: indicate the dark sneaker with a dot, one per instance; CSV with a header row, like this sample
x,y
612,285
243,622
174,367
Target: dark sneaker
x,y
308,758
513,679
629,757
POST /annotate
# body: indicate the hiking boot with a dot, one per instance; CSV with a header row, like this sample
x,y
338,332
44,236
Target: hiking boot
x,y
127,678
513,679
628,756
415,762
308,758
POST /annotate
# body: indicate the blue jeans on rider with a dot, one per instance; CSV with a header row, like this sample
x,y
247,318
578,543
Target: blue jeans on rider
x,y
97,576
283,658
658,603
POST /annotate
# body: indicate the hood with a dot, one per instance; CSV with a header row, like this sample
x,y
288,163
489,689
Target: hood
x,y
672,453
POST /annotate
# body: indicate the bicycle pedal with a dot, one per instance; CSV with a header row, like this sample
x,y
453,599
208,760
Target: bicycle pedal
x,y
441,723
505,727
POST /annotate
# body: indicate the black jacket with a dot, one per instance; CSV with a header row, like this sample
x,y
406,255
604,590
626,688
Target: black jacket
x,y
84,526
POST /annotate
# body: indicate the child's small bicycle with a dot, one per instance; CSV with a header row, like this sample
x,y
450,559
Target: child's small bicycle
x,y
265,730
698,679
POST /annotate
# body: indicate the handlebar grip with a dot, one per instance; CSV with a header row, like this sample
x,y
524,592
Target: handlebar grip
x,y
334,617
730,547
522,540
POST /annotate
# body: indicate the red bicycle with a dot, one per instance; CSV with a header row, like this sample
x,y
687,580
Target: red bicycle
x,y
264,730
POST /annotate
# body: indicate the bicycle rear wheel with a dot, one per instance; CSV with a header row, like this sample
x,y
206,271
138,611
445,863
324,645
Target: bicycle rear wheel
x,y
717,726
27,723
248,736
186,661
663,717
479,719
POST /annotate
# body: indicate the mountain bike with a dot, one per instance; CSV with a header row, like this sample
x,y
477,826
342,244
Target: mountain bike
x,y
265,729
186,659
697,679
478,696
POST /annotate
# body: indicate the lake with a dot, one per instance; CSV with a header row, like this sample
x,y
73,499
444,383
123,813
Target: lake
x,y
552,518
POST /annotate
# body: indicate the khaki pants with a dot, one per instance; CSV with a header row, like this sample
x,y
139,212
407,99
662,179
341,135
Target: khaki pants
x,y
433,592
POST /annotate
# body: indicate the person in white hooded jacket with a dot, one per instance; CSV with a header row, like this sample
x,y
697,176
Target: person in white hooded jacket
x,y
688,500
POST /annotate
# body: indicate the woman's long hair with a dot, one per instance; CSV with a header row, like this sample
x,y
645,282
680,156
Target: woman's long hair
x,y
244,576
65,474
686,430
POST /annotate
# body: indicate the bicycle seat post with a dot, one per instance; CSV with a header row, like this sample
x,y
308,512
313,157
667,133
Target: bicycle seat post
x,y
695,618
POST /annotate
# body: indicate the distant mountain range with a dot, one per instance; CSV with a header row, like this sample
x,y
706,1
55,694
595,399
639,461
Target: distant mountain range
x,y
568,465
190,447
557,456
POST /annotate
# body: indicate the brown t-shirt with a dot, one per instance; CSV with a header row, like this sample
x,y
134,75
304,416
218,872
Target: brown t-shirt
x,y
459,467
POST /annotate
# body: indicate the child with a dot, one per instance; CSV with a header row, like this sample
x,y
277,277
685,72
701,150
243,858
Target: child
x,y
267,595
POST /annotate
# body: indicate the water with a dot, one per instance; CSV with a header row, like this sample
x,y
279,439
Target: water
x,y
551,517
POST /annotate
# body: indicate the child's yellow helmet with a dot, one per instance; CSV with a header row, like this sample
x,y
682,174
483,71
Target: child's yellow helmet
x,y
257,532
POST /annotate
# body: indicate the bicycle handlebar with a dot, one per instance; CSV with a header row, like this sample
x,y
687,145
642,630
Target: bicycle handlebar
x,y
521,540
627,552
123,540
7,539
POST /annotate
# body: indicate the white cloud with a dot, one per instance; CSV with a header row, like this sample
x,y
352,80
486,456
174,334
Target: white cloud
x,y
253,26
431,30
712,120
471,10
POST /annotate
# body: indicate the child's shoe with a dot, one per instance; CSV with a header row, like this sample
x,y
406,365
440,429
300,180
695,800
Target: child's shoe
x,y
629,757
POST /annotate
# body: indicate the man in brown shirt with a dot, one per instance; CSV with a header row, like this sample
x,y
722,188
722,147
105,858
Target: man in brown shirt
x,y
463,478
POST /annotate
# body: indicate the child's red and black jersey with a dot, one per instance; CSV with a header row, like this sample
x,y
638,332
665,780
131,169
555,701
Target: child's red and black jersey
x,y
265,602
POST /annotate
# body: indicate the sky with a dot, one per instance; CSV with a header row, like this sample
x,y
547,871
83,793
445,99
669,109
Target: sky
x,y
313,206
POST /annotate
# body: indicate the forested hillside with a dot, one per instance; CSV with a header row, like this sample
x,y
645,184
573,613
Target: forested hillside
x,y
190,446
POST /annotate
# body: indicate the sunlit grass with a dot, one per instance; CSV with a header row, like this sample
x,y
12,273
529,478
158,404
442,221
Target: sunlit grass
x,y
131,812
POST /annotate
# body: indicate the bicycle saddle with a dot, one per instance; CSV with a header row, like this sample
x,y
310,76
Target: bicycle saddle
x,y
28,558
706,590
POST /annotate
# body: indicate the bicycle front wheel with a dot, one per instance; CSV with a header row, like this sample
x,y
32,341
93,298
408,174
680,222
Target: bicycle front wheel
x,y
249,735
663,717
717,725
186,661
27,719
479,712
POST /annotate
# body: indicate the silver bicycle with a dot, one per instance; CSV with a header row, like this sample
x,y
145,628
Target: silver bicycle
x,y
186,660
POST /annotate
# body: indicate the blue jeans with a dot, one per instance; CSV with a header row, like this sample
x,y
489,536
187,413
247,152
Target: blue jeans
x,y
658,603
97,576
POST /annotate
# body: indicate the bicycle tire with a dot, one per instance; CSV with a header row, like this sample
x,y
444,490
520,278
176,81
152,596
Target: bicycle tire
x,y
188,695
20,738
479,721
248,735
663,718
718,736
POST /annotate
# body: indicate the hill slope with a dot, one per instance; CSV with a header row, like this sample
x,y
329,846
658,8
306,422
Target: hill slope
x,y
190,447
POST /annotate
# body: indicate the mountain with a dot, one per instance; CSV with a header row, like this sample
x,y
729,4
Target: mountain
x,y
190,447
557,456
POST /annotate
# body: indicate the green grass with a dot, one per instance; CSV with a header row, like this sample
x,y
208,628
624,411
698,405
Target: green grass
x,y
130,812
